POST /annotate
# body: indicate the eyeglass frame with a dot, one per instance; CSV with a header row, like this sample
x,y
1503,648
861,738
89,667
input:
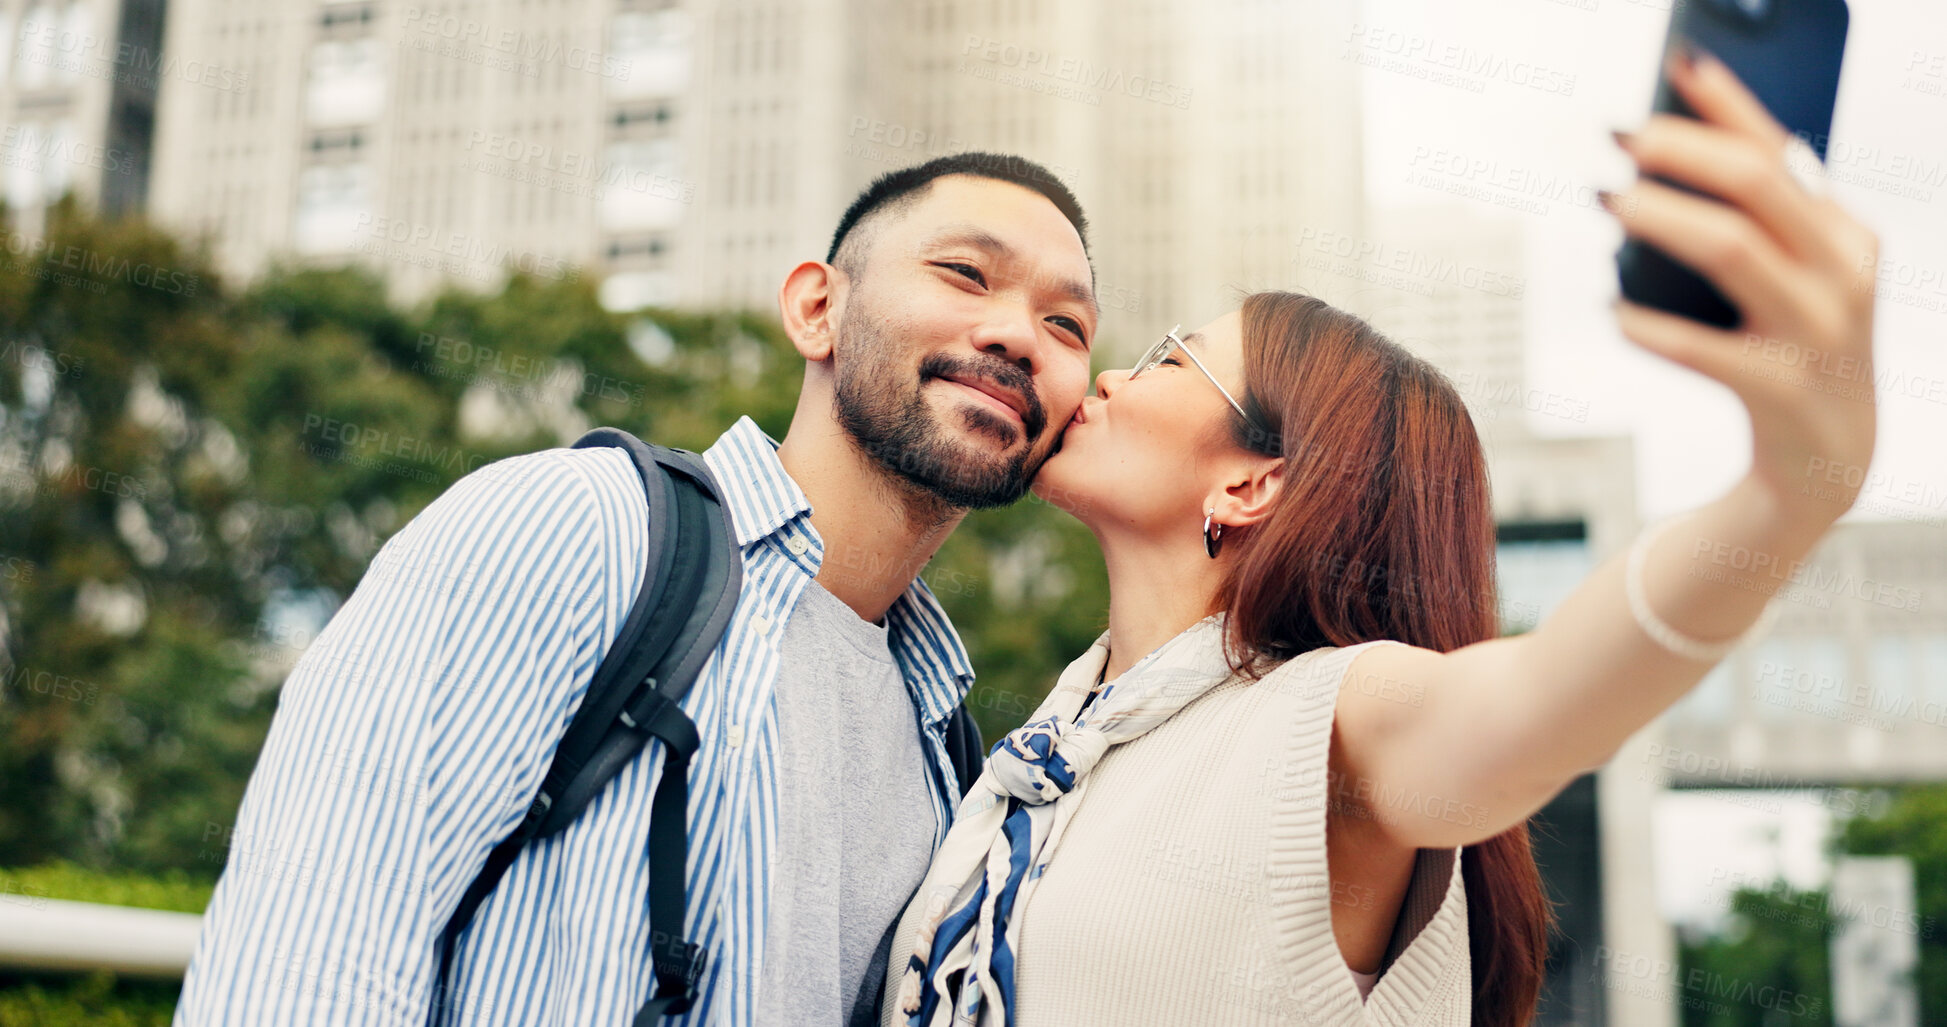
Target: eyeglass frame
x,y
1158,352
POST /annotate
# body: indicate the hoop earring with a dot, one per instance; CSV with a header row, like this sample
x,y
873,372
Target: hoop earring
x,y
1211,539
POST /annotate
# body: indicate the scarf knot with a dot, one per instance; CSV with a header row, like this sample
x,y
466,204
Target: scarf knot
x,y
1042,761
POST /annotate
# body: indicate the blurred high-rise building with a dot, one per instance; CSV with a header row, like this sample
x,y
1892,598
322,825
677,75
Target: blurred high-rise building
x,y
1846,686
78,82
1448,281
434,141
1204,138
689,154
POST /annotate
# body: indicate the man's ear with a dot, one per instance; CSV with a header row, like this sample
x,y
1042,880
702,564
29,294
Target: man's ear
x,y
806,299
1251,493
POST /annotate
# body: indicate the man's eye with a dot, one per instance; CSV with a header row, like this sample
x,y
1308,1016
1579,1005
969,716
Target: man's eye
x,y
1071,324
970,272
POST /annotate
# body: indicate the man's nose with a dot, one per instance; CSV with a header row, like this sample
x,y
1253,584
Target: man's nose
x,y
1010,338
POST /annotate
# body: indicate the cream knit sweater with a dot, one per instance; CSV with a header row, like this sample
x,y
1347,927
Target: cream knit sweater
x,y
1191,887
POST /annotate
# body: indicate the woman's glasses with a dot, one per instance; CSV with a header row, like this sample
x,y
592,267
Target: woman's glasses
x,y
1169,343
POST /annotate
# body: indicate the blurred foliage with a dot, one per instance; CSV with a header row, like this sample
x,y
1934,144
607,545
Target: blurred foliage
x,y
192,478
1781,936
1776,938
172,890
98,999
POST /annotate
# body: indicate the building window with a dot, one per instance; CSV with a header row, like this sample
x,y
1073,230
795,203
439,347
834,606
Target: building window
x,y
40,169
1933,667
650,51
642,120
637,250
642,185
343,19
1538,564
39,27
336,146
333,202
345,84
71,57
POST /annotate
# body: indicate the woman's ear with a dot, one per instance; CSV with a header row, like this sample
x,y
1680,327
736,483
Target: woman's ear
x,y
1249,496
806,301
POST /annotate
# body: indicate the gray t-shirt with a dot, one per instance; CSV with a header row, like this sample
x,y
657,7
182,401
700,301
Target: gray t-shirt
x,y
855,820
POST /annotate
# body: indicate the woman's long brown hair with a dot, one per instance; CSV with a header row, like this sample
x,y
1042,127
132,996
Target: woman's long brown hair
x,y
1382,528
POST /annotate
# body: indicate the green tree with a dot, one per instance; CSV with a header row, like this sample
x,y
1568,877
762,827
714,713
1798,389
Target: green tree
x,y
1781,936
192,476
120,719
1914,825
1776,939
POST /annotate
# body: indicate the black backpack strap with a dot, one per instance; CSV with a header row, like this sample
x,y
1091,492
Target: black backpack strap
x,y
633,686
709,552
690,584
963,747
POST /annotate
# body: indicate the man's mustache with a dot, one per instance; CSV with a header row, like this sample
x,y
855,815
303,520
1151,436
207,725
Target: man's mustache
x,y
1009,376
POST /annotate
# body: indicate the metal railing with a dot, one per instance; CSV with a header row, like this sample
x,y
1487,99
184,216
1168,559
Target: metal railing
x,y
52,934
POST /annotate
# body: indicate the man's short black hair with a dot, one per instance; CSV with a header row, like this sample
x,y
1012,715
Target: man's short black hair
x,y
896,189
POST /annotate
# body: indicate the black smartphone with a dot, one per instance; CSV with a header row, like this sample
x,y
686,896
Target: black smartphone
x,y
1787,52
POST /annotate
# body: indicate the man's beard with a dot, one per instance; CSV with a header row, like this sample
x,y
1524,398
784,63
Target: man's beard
x,y
902,433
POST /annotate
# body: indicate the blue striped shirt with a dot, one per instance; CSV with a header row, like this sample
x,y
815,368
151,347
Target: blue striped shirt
x,y
413,732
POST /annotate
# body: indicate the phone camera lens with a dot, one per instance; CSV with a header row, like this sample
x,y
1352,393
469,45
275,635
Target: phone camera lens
x,y
1748,10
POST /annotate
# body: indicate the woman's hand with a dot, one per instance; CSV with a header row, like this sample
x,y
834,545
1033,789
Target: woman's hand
x,y
1796,265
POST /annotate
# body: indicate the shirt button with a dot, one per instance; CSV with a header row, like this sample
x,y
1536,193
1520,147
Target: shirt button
x,y
760,623
797,545
734,735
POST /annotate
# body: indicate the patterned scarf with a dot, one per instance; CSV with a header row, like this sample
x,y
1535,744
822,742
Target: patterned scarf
x,y
961,972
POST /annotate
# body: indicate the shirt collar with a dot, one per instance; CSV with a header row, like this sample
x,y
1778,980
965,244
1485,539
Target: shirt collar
x,y
762,499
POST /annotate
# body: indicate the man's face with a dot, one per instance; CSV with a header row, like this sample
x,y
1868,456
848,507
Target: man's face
x,y
963,341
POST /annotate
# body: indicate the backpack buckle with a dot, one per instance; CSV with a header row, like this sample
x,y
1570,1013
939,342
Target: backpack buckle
x,y
537,808
651,711
644,705
679,968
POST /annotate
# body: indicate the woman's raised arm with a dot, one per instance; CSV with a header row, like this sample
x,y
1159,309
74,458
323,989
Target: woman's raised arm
x,y
1505,724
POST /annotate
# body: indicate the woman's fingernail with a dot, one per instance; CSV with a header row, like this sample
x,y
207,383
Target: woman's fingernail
x,y
1622,138
1608,200
1688,56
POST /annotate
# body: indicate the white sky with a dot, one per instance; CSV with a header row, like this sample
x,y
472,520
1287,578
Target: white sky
x,y
1691,436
